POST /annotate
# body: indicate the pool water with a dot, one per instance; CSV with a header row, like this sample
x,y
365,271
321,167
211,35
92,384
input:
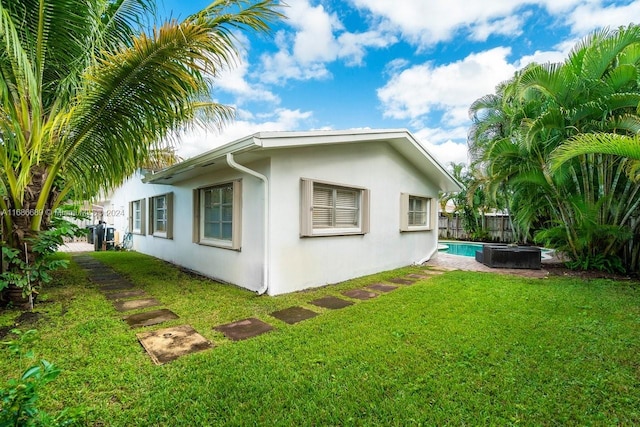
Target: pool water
x,y
459,248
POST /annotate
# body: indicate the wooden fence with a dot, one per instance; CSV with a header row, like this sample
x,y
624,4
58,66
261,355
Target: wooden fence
x,y
498,227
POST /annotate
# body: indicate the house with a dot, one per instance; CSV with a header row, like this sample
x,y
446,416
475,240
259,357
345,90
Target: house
x,y
278,212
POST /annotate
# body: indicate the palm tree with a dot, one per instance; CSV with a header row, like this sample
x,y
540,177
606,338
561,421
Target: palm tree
x,y
88,92
594,90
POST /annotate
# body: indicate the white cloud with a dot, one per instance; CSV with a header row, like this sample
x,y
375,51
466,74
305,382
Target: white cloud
x,y
592,15
447,152
508,26
430,22
235,82
198,141
319,38
543,57
450,88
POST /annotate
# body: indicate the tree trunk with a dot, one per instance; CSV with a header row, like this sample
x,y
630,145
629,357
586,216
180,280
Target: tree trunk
x,y
23,217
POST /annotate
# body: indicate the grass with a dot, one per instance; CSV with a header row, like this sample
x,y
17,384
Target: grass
x,y
460,348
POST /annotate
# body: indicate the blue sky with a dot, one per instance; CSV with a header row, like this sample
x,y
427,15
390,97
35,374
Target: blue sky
x,y
414,64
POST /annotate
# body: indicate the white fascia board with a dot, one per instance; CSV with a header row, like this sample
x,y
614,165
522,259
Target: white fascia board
x,y
401,139
215,155
447,181
328,137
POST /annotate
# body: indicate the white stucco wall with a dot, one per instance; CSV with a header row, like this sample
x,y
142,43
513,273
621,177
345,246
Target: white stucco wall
x,y
298,263
243,267
295,262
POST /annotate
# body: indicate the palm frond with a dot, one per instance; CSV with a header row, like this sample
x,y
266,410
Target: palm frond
x,y
605,143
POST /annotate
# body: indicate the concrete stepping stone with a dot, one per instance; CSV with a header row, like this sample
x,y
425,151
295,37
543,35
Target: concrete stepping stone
x,y
136,304
331,302
418,276
402,281
86,260
165,345
382,287
361,294
243,329
136,293
150,318
87,263
293,315
106,278
92,267
116,286
435,271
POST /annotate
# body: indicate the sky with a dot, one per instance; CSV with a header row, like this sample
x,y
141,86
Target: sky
x,y
389,64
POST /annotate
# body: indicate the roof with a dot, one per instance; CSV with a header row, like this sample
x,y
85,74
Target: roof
x,y
257,146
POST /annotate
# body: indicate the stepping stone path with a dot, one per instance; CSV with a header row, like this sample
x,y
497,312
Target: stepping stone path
x,y
361,294
126,294
382,287
150,318
165,345
243,329
331,302
136,304
293,315
402,281
162,346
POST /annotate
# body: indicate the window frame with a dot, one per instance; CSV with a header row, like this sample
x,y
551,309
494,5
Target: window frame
x,y
405,212
168,216
235,243
307,229
132,214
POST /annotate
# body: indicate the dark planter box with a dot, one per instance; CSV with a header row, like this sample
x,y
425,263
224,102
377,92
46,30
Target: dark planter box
x,y
503,256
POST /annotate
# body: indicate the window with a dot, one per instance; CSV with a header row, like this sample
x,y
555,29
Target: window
x,y
415,212
218,212
331,209
161,216
136,216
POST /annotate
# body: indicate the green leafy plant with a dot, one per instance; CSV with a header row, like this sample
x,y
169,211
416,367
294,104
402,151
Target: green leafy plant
x,y
29,276
19,398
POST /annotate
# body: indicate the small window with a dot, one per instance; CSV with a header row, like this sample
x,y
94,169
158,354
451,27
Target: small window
x,y
218,212
161,216
136,216
331,209
415,212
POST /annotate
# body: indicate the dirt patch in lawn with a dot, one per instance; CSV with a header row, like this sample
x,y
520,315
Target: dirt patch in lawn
x,y
24,321
561,270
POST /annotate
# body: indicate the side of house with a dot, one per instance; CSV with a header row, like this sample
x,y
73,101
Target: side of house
x,y
148,206
280,212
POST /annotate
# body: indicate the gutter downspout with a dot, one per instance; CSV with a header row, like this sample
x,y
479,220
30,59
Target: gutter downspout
x,y
265,269
428,257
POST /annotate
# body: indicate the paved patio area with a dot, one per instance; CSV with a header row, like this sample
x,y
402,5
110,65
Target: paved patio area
x,y
76,247
456,262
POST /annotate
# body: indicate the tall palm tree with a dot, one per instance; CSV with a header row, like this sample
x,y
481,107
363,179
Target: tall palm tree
x,y
88,89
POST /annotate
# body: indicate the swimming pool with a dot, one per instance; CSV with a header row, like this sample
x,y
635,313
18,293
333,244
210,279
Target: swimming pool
x,y
460,248
469,249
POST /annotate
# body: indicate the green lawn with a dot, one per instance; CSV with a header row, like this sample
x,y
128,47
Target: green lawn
x,y
460,348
